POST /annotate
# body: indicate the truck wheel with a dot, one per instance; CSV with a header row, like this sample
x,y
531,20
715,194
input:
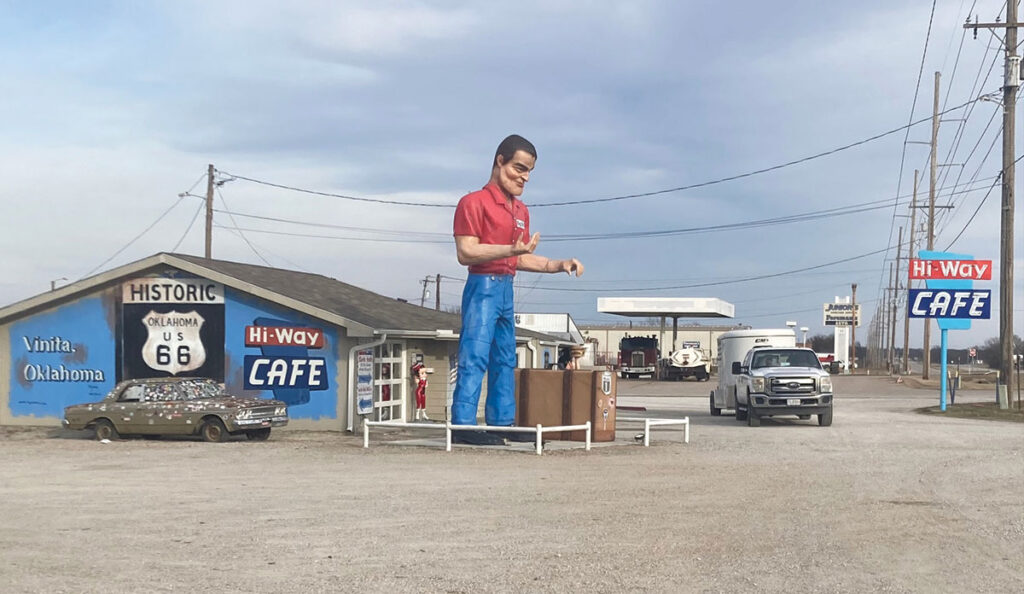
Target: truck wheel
x,y
752,419
715,411
213,430
105,430
741,414
825,419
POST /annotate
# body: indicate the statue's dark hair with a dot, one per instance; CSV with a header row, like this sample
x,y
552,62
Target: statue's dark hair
x,y
508,147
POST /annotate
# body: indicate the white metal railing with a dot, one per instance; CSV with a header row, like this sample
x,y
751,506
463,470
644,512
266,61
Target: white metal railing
x,y
649,422
539,430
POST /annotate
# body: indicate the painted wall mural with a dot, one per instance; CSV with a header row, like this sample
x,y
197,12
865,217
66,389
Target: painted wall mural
x,y
172,326
61,357
274,352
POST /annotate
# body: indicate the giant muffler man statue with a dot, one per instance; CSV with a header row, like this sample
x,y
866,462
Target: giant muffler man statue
x,y
492,238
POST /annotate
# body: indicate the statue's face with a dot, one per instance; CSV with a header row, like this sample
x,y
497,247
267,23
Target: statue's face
x,y
512,175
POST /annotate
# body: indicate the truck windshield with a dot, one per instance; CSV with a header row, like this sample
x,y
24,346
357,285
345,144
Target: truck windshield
x,y
785,358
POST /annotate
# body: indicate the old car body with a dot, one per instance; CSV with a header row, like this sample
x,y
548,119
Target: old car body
x,y
176,406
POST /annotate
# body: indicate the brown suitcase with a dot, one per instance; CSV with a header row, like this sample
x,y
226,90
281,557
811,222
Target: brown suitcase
x,y
556,397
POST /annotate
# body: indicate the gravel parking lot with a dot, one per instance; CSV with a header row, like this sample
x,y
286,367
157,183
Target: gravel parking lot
x,y
885,500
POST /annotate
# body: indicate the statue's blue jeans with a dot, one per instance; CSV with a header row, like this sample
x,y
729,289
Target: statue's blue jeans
x,y
487,342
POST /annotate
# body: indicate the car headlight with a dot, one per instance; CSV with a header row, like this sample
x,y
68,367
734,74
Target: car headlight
x,y
757,384
245,413
825,384
280,411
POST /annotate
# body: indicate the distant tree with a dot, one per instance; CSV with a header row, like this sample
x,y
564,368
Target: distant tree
x,y
989,351
821,343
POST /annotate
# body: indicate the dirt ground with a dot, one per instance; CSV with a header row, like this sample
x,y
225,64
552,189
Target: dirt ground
x,y
885,500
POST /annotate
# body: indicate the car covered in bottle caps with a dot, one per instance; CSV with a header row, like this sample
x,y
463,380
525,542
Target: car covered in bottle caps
x,y
176,406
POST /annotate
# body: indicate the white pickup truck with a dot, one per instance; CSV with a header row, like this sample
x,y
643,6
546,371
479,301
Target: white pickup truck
x,y
782,381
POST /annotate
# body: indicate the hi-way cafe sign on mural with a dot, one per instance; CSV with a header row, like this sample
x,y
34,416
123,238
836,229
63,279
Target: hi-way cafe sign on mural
x,y
949,295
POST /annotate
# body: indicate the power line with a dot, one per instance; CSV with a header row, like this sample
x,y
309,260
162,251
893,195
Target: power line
x,y
189,228
613,198
240,234
134,239
409,236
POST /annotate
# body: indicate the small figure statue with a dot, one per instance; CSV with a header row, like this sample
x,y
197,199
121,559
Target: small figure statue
x,y
419,374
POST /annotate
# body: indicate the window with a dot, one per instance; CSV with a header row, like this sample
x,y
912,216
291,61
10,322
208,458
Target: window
x,y
132,393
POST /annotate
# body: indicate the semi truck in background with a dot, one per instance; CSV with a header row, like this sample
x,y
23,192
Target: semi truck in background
x,y
638,355
733,347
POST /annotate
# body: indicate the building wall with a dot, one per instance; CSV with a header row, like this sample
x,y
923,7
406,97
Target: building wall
x,y
72,353
321,408
58,357
608,338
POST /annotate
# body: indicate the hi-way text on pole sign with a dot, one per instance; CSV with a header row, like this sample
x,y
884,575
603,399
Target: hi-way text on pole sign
x,y
950,269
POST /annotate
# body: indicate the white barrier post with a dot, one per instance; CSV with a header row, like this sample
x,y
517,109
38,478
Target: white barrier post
x,y
686,431
366,435
540,440
448,437
588,436
647,433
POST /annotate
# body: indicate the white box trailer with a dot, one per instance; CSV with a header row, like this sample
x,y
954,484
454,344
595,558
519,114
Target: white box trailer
x,y
733,346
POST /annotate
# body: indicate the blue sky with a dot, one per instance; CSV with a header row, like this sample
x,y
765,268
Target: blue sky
x,y
111,109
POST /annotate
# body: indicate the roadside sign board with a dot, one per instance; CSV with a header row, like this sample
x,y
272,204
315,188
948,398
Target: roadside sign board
x,y
971,304
842,314
948,288
927,269
972,353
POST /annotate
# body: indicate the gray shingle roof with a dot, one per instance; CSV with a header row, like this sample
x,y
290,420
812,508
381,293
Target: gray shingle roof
x,y
360,305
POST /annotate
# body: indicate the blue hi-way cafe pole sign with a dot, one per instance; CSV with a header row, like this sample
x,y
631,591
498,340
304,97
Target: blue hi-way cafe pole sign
x,y
949,295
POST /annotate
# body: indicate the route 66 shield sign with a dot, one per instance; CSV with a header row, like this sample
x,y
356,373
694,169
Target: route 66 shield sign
x,y
173,344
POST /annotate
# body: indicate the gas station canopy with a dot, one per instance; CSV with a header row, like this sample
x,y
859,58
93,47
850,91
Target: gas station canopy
x,y
669,307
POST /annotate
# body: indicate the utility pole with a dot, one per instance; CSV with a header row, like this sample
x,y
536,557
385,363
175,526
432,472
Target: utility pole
x,y
426,292
209,211
890,334
1011,83
931,220
895,303
437,293
853,329
910,255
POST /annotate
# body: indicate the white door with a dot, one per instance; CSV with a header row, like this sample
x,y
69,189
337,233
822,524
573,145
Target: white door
x,y
389,381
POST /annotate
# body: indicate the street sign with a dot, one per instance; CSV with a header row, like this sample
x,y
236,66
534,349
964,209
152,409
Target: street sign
x,y
972,352
842,314
973,304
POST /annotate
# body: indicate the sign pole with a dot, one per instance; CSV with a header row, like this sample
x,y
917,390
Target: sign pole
x,y
943,369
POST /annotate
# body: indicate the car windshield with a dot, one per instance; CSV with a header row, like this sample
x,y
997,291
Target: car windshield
x,y
785,358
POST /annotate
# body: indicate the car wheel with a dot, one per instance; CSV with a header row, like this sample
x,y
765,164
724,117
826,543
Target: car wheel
x,y
105,430
258,434
213,430
825,418
804,417
715,411
753,420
